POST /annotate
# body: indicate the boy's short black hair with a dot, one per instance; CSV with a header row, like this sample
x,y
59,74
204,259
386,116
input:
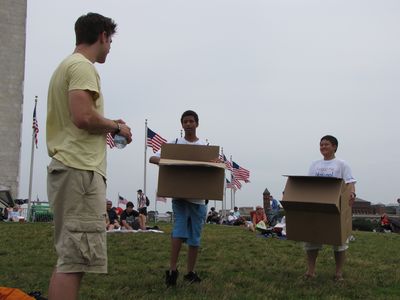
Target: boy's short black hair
x,y
129,204
190,113
89,26
331,139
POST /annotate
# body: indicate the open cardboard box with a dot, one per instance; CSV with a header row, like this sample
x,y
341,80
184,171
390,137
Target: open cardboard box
x,y
317,209
186,171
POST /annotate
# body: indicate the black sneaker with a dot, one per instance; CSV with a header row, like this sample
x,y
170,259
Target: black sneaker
x,y
192,277
37,295
171,277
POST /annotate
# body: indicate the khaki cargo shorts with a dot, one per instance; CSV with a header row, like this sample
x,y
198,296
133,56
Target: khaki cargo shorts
x,y
77,198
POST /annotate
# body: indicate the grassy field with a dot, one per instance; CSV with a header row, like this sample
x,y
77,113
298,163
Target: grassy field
x,y
233,263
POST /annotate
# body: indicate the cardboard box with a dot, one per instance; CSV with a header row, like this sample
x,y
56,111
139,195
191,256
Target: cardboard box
x,y
186,171
317,209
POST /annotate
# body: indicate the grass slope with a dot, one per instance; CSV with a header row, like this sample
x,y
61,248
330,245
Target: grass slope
x,y
233,263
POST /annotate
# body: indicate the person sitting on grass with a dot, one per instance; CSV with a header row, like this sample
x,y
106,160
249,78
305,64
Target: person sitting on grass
x,y
385,223
130,218
239,219
213,216
14,213
112,217
258,216
231,218
234,220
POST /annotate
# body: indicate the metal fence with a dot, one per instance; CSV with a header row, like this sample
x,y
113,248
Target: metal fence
x,y
155,217
41,213
38,213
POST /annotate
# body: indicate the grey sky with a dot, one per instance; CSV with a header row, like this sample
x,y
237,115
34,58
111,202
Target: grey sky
x,y
267,78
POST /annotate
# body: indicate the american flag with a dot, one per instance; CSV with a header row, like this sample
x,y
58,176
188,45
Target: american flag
x,y
35,126
122,200
225,161
154,140
240,173
110,141
236,182
229,185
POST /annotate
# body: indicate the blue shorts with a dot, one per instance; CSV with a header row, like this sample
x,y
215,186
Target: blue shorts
x,y
189,220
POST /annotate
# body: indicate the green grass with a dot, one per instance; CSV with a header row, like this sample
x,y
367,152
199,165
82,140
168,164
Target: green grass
x,y
233,263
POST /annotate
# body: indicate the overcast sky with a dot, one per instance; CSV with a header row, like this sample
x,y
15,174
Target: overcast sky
x,y
267,78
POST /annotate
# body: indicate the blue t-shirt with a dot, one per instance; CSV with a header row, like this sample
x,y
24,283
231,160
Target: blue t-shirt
x,y
274,205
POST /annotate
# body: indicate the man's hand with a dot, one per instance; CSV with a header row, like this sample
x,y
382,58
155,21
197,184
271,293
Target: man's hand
x,y
217,160
124,130
154,160
352,199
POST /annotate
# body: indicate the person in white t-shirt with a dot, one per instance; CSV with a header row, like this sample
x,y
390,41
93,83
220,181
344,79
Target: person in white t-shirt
x,y
330,166
14,213
231,218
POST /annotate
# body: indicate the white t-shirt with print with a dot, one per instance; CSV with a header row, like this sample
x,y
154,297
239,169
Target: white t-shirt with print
x,y
332,168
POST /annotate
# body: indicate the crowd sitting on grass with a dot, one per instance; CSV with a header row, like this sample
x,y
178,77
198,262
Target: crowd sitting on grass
x,y
261,218
130,219
127,219
234,218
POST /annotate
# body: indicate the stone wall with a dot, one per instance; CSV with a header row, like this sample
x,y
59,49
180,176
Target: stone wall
x,y
12,62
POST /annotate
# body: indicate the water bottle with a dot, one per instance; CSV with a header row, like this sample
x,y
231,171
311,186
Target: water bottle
x,y
120,141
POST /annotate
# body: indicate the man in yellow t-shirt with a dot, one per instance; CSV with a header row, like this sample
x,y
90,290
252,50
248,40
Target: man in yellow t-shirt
x,y
76,142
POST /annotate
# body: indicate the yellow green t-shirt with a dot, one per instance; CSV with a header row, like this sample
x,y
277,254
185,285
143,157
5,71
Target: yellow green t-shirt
x,y
67,143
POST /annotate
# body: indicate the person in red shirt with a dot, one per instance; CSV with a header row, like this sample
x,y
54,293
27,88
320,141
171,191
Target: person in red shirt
x,y
257,216
385,223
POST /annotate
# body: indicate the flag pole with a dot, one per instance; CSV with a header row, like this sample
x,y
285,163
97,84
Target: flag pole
x,y
224,197
145,156
232,191
155,209
215,202
31,167
223,200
